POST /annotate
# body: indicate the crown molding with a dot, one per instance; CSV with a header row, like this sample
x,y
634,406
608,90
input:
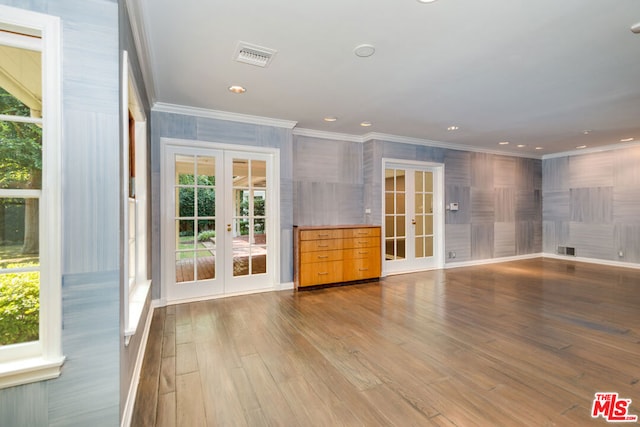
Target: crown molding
x,y
592,150
140,40
312,133
222,115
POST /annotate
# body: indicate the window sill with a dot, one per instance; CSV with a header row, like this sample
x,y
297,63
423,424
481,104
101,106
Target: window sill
x,y
29,370
137,299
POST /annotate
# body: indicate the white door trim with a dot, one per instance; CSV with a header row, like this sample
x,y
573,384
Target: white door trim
x,y
275,229
438,210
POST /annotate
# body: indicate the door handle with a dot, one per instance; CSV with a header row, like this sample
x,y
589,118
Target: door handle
x,y
228,227
413,221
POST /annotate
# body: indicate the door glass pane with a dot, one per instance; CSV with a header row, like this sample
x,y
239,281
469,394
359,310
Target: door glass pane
x,y
400,182
240,173
259,173
259,202
400,207
206,170
259,260
185,266
419,203
419,180
428,182
428,203
389,206
419,247
400,227
389,230
185,202
389,181
428,224
185,234
259,233
205,266
428,241
206,202
419,225
401,251
185,169
389,251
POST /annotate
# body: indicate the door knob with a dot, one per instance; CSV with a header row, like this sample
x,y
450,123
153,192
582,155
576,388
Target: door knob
x,y
228,227
413,221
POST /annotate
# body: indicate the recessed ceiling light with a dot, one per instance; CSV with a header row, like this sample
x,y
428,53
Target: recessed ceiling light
x,y
426,1
330,119
453,128
366,124
539,148
364,50
586,131
237,89
580,147
626,140
503,143
521,145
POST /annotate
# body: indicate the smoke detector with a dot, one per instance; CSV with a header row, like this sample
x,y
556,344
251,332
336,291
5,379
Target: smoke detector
x,y
253,54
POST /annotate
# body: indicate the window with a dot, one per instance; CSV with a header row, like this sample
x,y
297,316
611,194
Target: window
x,y
134,150
30,279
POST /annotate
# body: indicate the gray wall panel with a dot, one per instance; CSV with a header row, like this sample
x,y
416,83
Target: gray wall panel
x,y
482,170
556,174
591,170
504,237
592,240
626,240
593,205
505,204
504,170
603,192
627,167
482,205
482,243
457,169
555,205
458,239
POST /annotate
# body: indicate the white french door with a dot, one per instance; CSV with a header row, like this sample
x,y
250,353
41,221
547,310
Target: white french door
x,y
413,219
218,222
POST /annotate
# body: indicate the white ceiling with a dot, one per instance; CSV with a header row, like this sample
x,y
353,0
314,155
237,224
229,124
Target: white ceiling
x,y
537,73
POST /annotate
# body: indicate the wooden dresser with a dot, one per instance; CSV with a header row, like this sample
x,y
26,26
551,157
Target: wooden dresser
x,y
335,254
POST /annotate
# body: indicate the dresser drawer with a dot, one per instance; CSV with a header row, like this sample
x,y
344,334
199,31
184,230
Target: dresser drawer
x,y
361,242
357,253
362,232
320,245
321,256
320,273
362,268
320,234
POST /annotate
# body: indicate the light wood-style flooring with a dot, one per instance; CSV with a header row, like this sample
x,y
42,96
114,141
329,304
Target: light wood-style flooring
x,y
512,344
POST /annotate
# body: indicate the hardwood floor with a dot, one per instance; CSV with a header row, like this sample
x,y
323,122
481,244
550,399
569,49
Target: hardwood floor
x,y
519,343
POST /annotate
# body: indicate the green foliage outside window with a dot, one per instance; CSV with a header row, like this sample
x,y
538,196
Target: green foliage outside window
x,y
19,307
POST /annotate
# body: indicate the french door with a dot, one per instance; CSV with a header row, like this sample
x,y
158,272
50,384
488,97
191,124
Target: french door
x,y
413,216
218,222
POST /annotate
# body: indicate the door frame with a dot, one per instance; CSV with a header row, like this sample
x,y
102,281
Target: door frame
x,y
438,212
273,262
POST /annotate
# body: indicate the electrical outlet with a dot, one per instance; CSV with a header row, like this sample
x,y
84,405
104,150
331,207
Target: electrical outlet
x,y
452,254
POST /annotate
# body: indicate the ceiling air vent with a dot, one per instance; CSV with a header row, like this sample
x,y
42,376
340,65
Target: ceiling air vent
x,y
253,54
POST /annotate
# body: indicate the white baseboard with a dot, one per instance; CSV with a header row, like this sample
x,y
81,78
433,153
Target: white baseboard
x,y
284,286
593,261
491,261
127,413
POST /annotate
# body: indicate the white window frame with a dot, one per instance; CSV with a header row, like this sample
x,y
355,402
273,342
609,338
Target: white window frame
x,y
42,359
136,277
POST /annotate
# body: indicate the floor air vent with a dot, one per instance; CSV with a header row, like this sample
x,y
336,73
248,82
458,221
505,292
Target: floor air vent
x,y
253,54
565,250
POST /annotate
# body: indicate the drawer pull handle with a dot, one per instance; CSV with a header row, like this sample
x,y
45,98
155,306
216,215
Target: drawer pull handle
x,y
323,246
362,243
323,235
323,256
363,269
363,253
323,274
362,233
